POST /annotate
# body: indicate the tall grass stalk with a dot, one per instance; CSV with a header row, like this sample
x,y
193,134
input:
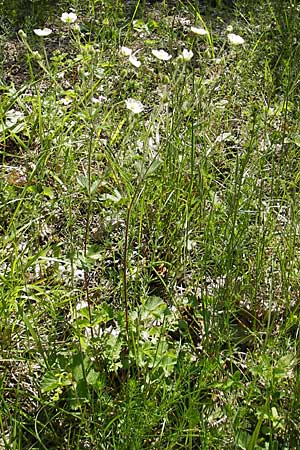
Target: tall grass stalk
x,y
149,222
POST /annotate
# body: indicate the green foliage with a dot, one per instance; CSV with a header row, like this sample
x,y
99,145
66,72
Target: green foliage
x,y
149,228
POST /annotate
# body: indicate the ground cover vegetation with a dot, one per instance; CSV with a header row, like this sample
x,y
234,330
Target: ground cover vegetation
x,y
149,254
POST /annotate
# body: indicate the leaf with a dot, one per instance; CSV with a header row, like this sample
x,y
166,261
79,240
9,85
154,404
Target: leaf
x,y
48,192
254,437
155,306
153,167
82,180
89,186
115,197
138,25
243,440
80,366
223,137
94,186
284,366
94,252
49,382
52,381
117,132
92,377
152,24
168,362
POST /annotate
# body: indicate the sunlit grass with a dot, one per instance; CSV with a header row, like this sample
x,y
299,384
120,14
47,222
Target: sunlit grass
x,y
149,220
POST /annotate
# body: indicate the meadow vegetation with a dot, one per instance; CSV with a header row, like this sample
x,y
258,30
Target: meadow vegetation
x,y
149,201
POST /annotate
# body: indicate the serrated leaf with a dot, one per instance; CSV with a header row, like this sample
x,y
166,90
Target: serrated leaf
x,y
53,381
155,306
49,382
153,303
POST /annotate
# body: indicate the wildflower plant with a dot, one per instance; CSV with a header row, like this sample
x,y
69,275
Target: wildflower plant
x,y
42,32
186,55
68,18
199,31
125,51
162,55
149,224
135,106
235,39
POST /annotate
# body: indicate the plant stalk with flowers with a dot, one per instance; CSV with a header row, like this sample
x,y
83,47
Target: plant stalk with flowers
x,y
149,227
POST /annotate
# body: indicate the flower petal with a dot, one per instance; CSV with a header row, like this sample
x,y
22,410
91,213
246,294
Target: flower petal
x,y
68,17
134,106
161,55
134,61
235,39
187,55
125,51
199,31
42,33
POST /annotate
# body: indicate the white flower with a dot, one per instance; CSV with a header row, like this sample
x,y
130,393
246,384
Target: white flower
x,y
112,331
14,116
235,39
42,33
134,61
99,100
125,51
199,31
161,55
134,106
11,120
81,305
68,17
66,101
79,274
187,55
229,29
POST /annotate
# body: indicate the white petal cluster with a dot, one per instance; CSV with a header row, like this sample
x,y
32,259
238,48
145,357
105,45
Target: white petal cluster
x,y
187,55
134,61
235,39
162,55
199,31
68,17
125,51
135,106
42,33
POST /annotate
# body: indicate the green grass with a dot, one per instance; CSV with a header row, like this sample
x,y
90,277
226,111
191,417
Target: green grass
x,y
149,262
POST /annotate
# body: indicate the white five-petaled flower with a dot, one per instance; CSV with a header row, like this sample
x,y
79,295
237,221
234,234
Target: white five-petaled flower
x,y
235,39
199,31
125,51
68,17
135,106
42,33
134,61
187,55
161,55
